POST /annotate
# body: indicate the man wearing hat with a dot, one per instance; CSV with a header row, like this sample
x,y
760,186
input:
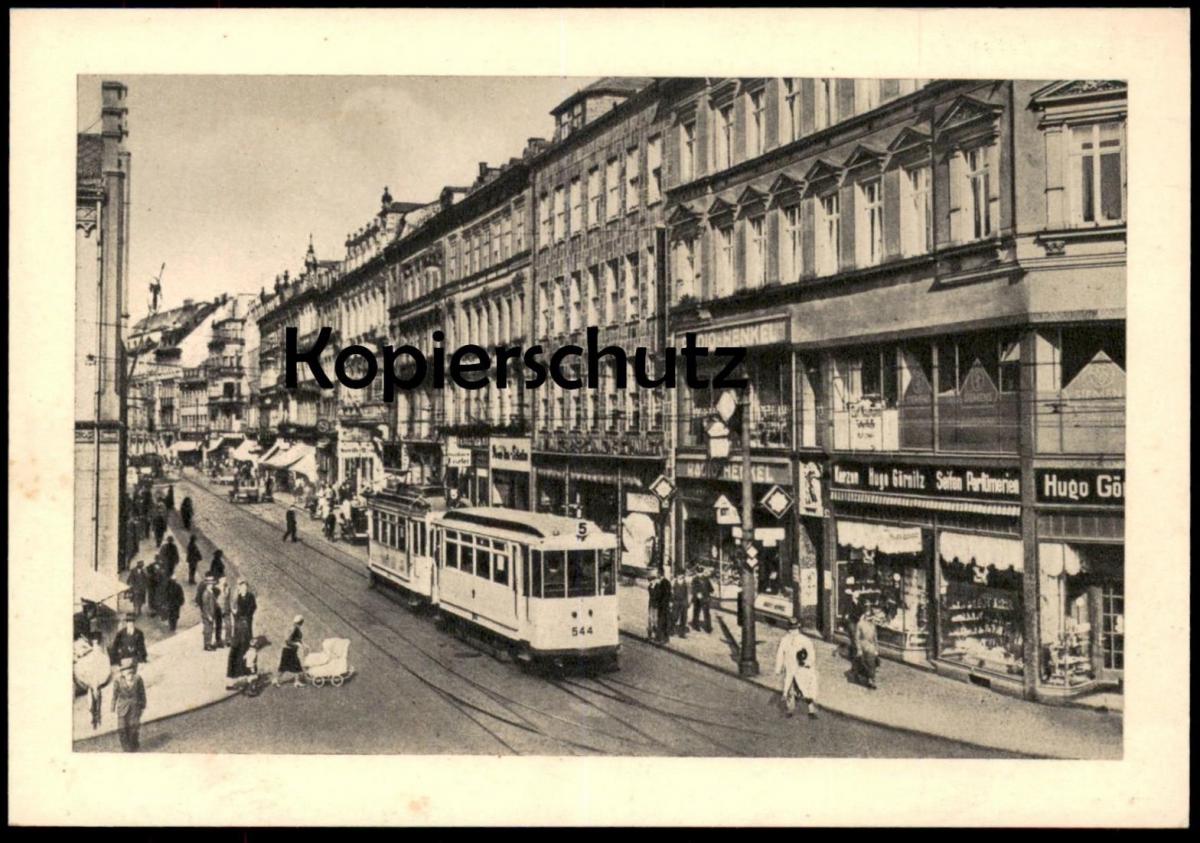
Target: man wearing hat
x,y
128,643
206,599
796,659
128,702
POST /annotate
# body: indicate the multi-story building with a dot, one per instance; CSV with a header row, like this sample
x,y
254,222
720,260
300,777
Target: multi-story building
x,y
598,257
929,278
102,190
228,387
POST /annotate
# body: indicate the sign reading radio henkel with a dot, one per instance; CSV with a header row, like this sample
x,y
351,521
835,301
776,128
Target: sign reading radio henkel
x,y
938,481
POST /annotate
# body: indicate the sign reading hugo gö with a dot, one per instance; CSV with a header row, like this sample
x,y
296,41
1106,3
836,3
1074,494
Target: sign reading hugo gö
x,y
941,481
1104,487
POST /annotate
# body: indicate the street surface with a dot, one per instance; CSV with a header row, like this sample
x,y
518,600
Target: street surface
x,y
420,690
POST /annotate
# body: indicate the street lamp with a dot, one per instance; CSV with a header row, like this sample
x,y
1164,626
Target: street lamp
x,y
748,660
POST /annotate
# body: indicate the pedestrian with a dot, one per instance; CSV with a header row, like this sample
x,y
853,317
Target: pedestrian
x,y
796,660
243,634
289,658
169,498
850,625
679,605
206,599
137,587
664,610
128,702
291,525
173,601
169,555
867,660
269,488
129,642
153,577
160,528
185,513
93,670
217,566
223,628
331,527
652,606
702,589
193,558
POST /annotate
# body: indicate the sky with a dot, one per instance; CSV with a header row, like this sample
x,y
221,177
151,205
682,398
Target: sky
x,y
231,174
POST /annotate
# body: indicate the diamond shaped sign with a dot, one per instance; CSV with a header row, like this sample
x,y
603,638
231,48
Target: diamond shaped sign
x,y
662,488
727,405
751,552
716,429
776,501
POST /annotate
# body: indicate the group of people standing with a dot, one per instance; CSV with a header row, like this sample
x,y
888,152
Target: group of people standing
x,y
669,599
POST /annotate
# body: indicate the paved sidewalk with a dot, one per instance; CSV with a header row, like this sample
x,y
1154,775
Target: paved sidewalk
x,y
907,698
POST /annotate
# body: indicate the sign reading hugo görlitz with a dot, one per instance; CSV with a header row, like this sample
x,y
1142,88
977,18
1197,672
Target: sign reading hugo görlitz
x,y
936,481
1105,487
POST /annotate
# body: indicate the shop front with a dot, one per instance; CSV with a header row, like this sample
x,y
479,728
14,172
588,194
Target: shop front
x,y
509,467
1081,580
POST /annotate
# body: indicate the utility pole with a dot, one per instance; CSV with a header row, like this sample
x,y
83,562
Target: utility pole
x,y
748,660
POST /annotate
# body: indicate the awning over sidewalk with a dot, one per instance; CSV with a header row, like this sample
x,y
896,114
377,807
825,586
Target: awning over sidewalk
x,y
985,551
219,442
305,463
277,457
248,451
95,587
185,446
886,538
1010,510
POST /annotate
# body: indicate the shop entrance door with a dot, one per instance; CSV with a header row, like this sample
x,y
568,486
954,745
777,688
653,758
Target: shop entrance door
x,y
1112,629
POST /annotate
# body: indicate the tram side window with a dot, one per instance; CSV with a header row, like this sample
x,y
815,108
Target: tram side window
x,y
533,572
398,536
451,549
466,557
581,573
608,572
483,558
500,564
419,530
375,526
554,573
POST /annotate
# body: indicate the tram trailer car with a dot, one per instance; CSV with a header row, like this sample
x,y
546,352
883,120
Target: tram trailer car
x,y
399,549
544,584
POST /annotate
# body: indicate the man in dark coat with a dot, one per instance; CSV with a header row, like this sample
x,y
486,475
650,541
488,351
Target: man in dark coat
x,y
664,610
172,601
128,703
291,525
206,599
128,643
245,606
185,513
137,587
153,587
160,528
169,498
216,568
193,559
702,589
679,605
169,556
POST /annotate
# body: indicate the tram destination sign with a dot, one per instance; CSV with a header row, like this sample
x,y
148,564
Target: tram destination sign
x,y
941,481
1095,486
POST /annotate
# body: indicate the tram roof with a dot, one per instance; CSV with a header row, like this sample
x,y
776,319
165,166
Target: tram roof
x,y
413,497
539,524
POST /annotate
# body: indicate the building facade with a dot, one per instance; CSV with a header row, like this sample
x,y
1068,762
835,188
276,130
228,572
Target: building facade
x,y
102,190
930,282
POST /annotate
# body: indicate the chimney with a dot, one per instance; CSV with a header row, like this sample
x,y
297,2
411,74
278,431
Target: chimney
x,y
113,111
483,169
188,302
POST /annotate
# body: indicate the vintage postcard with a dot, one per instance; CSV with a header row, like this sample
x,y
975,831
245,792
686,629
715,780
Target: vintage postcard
x,y
487,437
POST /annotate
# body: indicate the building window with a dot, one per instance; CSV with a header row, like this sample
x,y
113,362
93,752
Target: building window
x,y
756,264
825,105
866,94
593,190
916,212
630,283
633,178
687,151
544,220
1097,173
452,256
792,245
654,169
686,274
869,230
791,93
982,206
828,225
612,181
755,142
575,316
724,261
560,310
593,296
723,151
506,243
614,292
560,215
576,206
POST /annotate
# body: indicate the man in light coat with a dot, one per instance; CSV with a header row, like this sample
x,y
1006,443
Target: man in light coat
x,y
867,659
796,659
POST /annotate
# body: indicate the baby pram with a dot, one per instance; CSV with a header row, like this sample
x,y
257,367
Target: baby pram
x,y
332,663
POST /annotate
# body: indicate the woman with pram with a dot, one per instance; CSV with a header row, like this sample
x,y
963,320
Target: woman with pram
x,y
290,658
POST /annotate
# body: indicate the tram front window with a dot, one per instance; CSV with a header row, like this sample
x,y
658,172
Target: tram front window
x,y
553,574
581,573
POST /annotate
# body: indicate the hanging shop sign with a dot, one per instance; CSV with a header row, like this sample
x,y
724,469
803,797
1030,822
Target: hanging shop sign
x,y
810,502
776,501
1104,487
510,453
995,484
726,512
641,502
455,456
769,536
732,472
663,488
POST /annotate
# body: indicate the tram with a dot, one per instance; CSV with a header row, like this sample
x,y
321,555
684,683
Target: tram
x,y
399,546
545,585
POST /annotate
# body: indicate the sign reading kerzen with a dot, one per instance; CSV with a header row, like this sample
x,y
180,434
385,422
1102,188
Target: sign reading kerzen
x,y
935,481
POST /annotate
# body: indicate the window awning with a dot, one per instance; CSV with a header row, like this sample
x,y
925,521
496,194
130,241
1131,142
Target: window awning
x,y
245,452
629,481
915,502
185,446
304,462
984,551
95,587
886,538
1057,558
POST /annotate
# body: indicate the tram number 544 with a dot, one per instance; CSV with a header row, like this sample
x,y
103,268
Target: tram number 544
x,y
576,631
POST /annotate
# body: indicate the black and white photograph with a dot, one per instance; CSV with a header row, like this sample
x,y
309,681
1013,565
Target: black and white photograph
x,y
589,415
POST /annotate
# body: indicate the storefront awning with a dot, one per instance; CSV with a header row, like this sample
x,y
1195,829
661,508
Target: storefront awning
x,y
245,452
886,538
1009,510
628,481
185,446
220,442
1057,558
279,457
984,551
305,462
95,587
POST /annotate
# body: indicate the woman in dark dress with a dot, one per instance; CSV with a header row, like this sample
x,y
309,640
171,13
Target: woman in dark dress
x,y
216,569
243,632
289,659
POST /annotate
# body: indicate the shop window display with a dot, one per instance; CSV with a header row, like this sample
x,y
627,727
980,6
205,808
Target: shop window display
x,y
882,569
982,613
1082,613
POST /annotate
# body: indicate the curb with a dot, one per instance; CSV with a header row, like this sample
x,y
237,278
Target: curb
x,y
856,717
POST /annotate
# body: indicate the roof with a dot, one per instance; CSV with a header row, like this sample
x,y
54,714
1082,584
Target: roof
x,y
540,524
405,207
606,85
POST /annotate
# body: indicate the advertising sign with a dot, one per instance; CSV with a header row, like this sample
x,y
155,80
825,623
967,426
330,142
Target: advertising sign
x,y
510,453
943,481
1094,486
